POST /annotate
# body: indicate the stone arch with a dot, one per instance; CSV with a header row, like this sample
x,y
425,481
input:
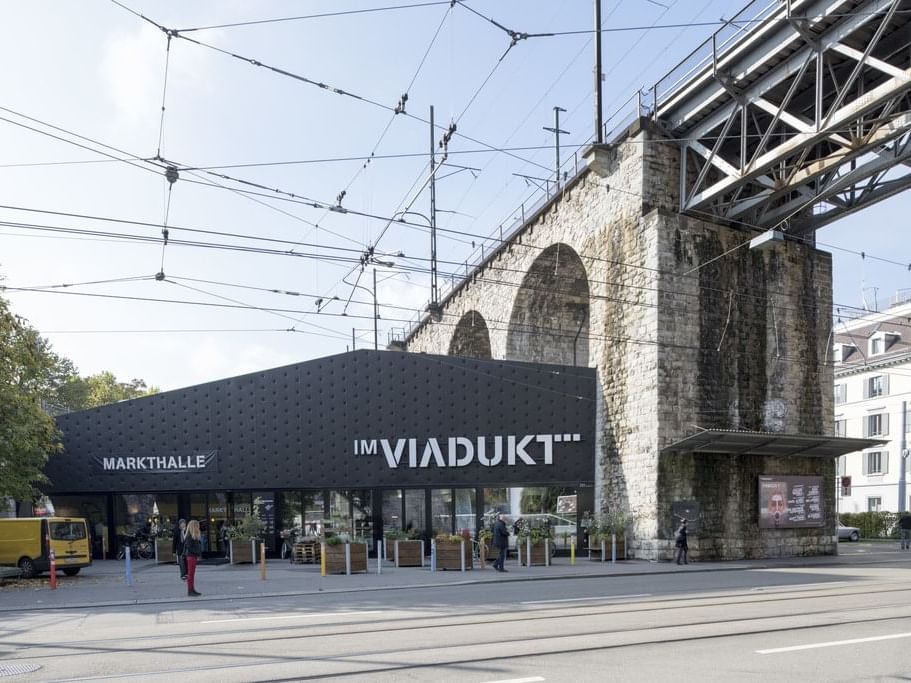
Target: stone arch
x,y
471,337
550,315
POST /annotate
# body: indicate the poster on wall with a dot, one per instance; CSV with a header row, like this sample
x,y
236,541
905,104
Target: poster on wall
x,y
788,502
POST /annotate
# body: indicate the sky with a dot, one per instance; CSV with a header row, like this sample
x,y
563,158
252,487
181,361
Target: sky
x,y
81,125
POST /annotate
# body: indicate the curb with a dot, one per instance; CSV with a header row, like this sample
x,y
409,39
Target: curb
x,y
704,568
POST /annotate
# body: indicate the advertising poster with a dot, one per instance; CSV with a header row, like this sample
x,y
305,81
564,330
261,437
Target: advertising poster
x,y
787,502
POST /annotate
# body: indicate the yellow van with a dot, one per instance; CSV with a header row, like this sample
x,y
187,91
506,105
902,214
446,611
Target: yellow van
x,y
24,544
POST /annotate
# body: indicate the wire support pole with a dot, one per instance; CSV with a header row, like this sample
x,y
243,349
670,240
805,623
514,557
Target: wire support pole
x,y
556,130
599,106
376,315
434,285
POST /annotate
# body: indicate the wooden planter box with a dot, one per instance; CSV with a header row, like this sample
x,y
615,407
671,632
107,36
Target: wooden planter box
x,y
448,555
335,558
594,550
242,551
539,553
409,553
163,551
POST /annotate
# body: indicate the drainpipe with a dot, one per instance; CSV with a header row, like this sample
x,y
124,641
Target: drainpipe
x,y
903,459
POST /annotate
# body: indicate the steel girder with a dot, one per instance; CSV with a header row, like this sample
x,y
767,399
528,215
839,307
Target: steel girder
x,y
803,117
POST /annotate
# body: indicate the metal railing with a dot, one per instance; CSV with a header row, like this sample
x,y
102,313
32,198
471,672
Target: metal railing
x,y
640,104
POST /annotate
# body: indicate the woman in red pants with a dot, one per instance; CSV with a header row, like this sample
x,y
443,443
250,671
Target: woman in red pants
x,y
192,550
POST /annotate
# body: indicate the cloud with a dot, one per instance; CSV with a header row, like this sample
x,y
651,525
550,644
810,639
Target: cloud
x,y
133,70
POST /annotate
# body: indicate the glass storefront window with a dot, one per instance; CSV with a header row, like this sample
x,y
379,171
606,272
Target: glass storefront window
x,y
415,511
362,515
339,512
313,503
290,521
441,511
495,501
539,505
465,510
217,520
392,511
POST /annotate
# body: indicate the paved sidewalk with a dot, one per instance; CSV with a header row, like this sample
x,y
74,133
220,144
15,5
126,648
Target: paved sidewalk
x,y
103,584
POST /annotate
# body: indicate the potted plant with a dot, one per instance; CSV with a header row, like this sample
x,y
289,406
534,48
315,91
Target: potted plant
x,y
485,536
164,543
243,536
605,530
452,552
342,556
533,542
407,547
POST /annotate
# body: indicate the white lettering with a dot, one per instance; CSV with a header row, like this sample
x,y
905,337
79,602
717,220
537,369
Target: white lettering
x,y
454,443
432,449
120,464
548,441
368,447
412,452
393,458
131,463
172,463
109,463
518,449
200,461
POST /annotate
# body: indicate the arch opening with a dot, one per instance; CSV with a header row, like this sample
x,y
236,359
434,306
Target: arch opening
x,y
549,322
471,337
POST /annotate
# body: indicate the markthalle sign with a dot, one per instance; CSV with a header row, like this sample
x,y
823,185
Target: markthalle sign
x,y
196,461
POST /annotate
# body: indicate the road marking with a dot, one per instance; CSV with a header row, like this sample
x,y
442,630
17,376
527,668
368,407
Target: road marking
x,y
833,643
602,597
286,616
802,586
533,679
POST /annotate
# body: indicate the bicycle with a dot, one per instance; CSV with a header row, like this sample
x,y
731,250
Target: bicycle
x,y
141,547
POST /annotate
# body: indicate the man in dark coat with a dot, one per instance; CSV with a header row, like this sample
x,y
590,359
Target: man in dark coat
x,y
180,537
904,525
682,547
500,541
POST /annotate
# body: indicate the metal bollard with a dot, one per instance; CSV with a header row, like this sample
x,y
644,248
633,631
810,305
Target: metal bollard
x,y
53,560
379,557
129,566
322,559
613,548
262,561
572,553
433,555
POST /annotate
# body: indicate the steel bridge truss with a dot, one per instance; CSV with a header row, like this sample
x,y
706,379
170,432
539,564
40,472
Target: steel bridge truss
x,y
799,118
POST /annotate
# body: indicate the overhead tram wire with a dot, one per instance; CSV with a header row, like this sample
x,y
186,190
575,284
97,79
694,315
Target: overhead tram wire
x,y
551,290
323,15
493,325
354,253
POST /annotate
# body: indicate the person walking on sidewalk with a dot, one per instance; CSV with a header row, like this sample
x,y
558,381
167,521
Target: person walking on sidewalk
x,y
180,537
192,551
905,529
500,541
682,548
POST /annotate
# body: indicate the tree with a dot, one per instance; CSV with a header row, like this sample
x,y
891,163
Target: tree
x,y
91,391
28,435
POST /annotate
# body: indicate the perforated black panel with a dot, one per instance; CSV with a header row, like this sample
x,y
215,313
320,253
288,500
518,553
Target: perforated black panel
x,y
296,426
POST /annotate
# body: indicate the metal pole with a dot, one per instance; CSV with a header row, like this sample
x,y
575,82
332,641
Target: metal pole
x,y
556,131
599,135
434,288
376,315
903,460
353,346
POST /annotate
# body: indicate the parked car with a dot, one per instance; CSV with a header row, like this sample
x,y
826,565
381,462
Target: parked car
x,y
848,533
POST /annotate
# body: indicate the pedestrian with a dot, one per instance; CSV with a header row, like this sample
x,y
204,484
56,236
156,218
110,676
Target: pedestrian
x,y
905,527
682,548
500,542
192,551
180,537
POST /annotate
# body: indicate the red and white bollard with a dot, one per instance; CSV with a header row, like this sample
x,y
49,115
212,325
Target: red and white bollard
x,y
53,570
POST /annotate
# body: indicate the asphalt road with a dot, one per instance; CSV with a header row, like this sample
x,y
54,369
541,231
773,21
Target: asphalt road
x,y
825,623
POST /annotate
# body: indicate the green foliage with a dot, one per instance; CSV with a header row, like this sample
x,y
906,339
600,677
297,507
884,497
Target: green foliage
x,y
448,538
872,524
537,530
611,523
28,436
249,526
165,530
395,535
91,391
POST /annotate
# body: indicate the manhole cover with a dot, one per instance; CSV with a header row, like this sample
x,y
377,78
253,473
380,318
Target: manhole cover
x,y
17,669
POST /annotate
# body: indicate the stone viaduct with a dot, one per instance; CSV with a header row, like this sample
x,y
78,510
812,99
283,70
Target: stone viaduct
x,y
689,330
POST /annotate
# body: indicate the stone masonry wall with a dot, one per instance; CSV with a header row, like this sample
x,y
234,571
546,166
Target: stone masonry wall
x,y
735,344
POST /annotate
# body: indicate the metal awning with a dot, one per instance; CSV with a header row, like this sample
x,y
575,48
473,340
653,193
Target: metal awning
x,y
733,442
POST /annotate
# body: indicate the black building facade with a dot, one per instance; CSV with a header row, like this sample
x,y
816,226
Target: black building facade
x,y
361,442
